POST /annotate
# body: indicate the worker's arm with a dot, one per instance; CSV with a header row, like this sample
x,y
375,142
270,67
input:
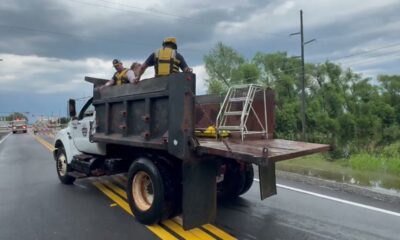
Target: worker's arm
x,y
131,76
183,65
150,61
142,69
109,83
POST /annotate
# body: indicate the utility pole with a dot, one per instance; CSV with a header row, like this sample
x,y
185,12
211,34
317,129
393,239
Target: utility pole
x,y
303,77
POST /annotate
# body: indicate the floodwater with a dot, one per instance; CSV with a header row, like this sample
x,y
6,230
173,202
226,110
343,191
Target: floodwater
x,y
378,181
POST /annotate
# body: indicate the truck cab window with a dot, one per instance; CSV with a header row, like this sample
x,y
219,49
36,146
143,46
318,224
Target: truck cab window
x,y
87,110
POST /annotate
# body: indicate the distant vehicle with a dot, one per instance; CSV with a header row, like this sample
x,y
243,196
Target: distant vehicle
x,y
19,125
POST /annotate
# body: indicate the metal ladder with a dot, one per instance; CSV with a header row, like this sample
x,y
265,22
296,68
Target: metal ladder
x,y
241,95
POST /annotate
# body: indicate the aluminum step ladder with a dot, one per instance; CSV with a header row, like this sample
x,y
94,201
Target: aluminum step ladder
x,y
242,97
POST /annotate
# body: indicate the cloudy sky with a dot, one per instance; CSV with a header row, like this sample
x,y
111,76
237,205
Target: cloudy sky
x,y
48,46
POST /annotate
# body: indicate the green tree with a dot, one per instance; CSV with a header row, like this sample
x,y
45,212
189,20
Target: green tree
x,y
220,63
16,115
391,92
245,74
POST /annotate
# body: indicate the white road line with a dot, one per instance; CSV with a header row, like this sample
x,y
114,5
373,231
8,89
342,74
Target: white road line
x,y
337,199
4,138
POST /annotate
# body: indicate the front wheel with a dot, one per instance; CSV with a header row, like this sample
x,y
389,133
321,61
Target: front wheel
x,y
62,167
150,191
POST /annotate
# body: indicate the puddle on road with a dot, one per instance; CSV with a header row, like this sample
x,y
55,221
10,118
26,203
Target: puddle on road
x,y
378,181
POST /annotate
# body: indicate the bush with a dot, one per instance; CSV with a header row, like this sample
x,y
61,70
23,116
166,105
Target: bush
x,y
387,160
391,156
365,161
391,151
393,166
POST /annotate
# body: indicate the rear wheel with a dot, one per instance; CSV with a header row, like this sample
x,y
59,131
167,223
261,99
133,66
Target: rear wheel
x,y
249,177
62,167
150,191
233,183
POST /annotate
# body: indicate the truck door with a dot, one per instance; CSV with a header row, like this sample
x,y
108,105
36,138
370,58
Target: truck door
x,y
82,129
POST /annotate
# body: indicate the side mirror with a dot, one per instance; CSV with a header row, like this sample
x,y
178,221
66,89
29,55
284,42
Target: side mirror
x,y
71,108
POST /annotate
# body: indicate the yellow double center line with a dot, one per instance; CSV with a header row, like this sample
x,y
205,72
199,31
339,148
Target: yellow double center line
x,y
49,146
168,229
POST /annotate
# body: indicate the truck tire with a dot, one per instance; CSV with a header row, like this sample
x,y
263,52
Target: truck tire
x,y
233,183
150,191
14,132
62,167
249,177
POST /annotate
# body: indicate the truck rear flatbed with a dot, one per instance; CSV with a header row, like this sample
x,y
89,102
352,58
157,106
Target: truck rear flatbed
x,y
254,150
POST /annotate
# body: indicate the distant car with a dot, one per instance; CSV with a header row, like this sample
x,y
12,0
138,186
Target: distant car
x,y
19,126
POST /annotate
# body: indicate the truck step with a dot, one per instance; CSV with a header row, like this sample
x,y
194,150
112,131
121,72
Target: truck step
x,y
234,113
83,157
237,99
229,128
84,164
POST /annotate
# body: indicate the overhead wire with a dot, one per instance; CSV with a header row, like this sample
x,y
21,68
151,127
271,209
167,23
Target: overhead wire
x,y
161,13
130,42
372,58
365,51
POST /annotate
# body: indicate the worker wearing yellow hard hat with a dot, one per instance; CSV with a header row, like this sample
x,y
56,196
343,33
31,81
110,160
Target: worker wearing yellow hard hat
x,y
165,60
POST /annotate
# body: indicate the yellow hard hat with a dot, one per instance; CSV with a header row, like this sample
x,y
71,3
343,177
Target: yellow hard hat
x,y
170,40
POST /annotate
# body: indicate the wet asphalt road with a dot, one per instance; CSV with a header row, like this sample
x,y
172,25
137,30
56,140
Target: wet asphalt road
x,y
35,205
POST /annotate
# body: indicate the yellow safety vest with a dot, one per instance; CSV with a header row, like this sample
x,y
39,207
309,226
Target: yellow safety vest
x,y
121,77
166,62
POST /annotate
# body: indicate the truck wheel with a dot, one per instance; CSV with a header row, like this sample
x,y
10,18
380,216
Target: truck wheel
x,y
150,191
249,177
14,132
62,167
233,183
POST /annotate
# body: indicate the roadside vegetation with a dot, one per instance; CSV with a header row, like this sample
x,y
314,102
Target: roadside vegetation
x,y
358,116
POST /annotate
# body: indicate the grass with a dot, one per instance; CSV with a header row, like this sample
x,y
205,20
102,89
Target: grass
x,y
365,161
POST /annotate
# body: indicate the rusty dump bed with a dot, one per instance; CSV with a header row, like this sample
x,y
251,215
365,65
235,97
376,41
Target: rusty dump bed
x,y
162,114
259,151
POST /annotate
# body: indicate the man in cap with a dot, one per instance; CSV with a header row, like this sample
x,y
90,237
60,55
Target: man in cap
x,y
165,60
123,75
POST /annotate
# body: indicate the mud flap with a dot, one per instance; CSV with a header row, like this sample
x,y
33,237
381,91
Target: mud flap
x,y
199,200
267,180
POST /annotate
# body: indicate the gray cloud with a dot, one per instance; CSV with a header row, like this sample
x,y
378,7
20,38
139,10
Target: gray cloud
x,y
75,31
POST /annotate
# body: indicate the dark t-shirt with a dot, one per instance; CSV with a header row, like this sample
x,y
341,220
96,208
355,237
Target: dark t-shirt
x,y
151,61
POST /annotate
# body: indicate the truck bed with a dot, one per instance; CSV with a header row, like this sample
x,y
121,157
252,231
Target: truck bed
x,y
259,151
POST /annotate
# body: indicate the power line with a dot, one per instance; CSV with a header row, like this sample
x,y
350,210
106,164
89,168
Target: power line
x,y
156,12
365,52
363,61
65,34
80,37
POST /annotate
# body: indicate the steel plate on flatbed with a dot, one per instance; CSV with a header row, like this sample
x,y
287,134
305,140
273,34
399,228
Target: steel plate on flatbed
x,y
258,151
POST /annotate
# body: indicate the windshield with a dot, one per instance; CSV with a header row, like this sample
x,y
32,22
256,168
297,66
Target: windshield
x,y
19,122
